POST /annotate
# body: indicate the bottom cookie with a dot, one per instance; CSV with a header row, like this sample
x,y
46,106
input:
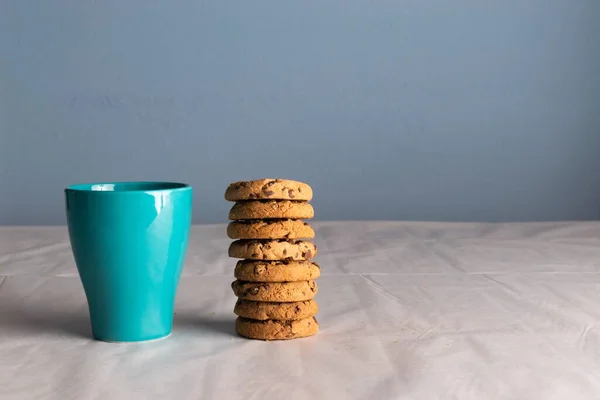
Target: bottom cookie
x,y
276,330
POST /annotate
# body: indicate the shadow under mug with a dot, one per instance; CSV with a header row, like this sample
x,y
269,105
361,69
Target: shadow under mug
x,y
129,241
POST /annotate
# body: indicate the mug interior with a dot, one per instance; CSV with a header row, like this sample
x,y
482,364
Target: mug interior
x,y
127,186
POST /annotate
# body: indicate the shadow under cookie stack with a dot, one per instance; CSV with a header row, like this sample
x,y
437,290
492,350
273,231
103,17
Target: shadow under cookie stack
x,y
275,279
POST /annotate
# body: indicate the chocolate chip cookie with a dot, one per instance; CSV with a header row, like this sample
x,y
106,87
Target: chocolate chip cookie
x,y
276,330
261,311
274,189
268,209
273,249
276,271
275,291
270,229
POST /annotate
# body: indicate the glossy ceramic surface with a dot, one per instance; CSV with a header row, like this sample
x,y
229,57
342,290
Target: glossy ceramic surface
x,y
129,241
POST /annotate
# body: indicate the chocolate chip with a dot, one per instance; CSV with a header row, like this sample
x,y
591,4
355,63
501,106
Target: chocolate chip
x,y
266,186
297,309
285,252
291,194
254,255
253,196
287,235
307,254
269,192
299,190
264,257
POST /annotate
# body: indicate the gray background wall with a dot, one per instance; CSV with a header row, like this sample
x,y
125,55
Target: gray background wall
x,y
447,110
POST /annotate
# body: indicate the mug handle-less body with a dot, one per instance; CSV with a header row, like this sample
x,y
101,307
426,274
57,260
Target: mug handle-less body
x,y
129,245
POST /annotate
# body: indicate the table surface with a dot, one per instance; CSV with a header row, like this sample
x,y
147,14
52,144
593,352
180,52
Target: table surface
x,y
408,311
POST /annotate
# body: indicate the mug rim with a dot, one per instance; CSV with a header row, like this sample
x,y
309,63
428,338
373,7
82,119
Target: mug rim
x,y
131,187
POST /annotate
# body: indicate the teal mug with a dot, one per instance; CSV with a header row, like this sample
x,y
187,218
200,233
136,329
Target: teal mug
x,y
129,241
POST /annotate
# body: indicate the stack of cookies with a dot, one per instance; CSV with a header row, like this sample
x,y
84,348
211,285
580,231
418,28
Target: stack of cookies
x,y
275,280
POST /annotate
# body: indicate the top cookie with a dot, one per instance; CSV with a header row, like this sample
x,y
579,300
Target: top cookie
x,y
269,189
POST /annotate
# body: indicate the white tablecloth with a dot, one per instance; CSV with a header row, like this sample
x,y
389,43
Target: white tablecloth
x,y
408,311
